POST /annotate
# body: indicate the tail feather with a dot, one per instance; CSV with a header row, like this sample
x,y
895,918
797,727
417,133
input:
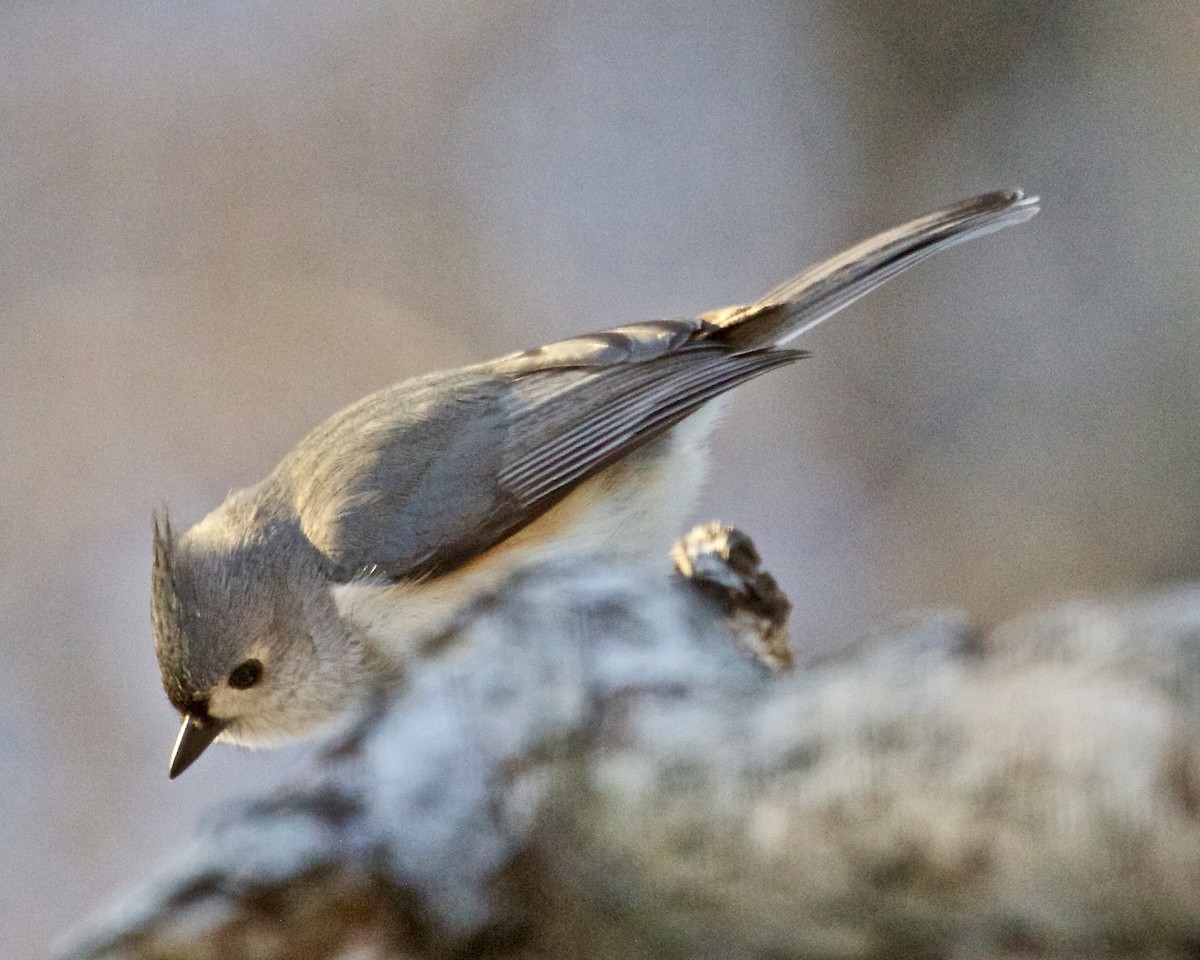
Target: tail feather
x,y
799,304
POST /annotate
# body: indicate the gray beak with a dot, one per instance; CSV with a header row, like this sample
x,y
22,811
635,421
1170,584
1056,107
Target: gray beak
x,y
195,734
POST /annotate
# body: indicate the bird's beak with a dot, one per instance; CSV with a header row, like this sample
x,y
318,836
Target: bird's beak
x,y
195,734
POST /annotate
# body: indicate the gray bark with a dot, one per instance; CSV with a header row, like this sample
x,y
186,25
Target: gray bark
x,y
587,767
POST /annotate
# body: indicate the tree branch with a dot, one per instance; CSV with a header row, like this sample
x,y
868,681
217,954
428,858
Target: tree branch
x,y
585,766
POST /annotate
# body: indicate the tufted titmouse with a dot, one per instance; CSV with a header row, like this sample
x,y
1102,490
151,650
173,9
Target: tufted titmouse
x,y
294,597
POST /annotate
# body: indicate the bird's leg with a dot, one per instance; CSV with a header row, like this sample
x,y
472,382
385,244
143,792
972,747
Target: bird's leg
x,y
723,565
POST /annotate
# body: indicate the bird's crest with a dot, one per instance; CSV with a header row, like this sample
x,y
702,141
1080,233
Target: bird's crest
x,y
166,611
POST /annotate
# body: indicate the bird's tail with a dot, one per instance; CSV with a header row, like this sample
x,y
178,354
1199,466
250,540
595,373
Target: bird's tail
x,y
820,291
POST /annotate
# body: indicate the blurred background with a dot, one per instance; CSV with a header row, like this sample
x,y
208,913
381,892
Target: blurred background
x,y
223,221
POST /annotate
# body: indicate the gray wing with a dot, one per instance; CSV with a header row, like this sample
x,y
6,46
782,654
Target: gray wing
x,y
420,478
579,416
423,477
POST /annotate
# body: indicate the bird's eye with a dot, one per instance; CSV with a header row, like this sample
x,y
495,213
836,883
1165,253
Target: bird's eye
x,y
245,675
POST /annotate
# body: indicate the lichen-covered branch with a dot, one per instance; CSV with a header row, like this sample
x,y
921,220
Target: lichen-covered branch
x,y
586,766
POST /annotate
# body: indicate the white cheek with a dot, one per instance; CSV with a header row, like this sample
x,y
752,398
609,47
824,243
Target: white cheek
x,y
257,735
270,720
225,703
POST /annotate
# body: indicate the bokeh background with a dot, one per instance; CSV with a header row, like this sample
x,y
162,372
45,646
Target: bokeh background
x,y
221,221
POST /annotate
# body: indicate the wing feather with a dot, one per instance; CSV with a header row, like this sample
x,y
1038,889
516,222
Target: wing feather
x,y
635,405
423,477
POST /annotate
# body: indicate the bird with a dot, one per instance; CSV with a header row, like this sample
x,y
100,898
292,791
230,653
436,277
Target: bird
x,y
294,598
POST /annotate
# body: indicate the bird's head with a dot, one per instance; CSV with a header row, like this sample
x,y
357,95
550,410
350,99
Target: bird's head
x,y
247,636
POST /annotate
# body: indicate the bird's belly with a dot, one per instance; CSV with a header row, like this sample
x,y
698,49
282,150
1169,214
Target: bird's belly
x,y
630,511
